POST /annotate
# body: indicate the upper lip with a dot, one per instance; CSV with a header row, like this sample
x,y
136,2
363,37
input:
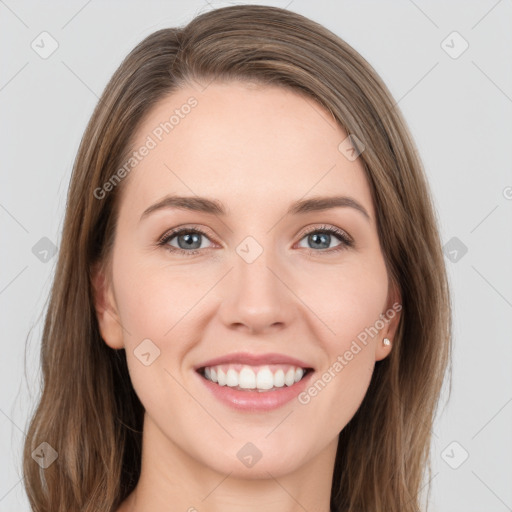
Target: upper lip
x,y
253,360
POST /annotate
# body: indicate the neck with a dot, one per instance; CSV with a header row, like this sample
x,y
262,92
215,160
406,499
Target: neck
x,y
171,478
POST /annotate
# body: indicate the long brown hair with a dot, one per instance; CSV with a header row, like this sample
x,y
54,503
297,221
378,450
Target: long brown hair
x,y
88,411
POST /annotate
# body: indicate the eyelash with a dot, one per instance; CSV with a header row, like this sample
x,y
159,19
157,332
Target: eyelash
x,y
346,241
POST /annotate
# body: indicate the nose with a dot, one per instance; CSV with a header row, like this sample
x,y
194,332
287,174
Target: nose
x,y
256,298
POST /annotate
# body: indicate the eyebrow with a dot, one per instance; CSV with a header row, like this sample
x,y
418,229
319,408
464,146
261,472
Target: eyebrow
x,y
215,207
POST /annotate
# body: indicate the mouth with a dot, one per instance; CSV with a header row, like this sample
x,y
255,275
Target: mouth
x,y
251,382
260,378
254,388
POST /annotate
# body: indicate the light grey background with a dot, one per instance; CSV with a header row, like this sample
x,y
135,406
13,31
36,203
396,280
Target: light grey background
x,y
458,109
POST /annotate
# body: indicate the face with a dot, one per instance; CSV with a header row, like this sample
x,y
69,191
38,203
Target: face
x,y
283,303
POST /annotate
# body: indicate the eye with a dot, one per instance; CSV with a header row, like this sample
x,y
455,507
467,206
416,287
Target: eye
x,y
321,238
188,240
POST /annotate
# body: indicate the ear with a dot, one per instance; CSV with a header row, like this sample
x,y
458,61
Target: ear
x,y
391,318
106,309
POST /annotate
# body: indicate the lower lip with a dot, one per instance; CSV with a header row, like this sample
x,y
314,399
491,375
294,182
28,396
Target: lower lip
x,y
256,400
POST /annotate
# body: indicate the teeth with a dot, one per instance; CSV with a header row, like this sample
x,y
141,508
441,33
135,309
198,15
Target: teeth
x,y
247,378
289,378
265,379
232,378
221,377
279,379
260,378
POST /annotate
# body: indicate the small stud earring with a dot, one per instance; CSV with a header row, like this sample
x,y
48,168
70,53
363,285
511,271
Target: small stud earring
x,y
386,342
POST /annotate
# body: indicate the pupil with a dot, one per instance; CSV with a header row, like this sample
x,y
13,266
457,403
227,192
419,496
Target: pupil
x,y
190,238
325,239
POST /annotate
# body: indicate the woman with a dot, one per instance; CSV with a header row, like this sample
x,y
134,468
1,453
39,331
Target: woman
x,y
201,351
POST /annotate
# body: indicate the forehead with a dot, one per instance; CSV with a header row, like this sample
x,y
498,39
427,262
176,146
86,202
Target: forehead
x,y
244,144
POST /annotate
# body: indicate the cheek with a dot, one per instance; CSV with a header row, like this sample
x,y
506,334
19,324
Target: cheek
x,y
347,299
337,390
152,300
350,305
161,311
155,310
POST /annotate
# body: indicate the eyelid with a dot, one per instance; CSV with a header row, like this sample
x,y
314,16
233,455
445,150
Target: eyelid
x,y
184,227
328,228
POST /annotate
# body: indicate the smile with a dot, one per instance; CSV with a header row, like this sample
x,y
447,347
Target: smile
x,y
263,378
254,382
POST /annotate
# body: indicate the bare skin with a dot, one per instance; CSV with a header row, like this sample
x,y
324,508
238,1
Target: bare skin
x,y
257,150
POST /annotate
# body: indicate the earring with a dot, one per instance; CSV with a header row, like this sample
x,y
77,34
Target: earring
x,y
386,342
